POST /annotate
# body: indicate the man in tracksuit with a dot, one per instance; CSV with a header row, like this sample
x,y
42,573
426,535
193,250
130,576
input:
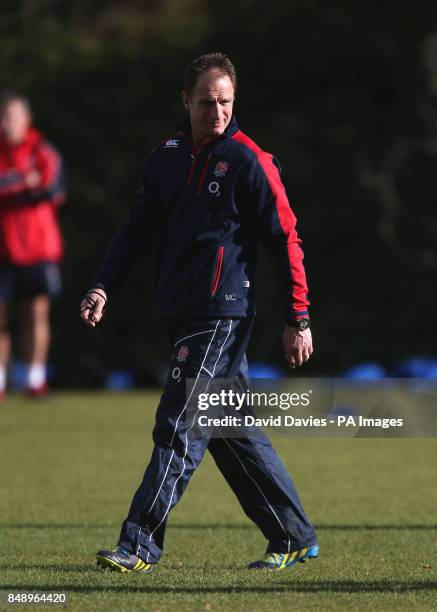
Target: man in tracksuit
x,y
213,194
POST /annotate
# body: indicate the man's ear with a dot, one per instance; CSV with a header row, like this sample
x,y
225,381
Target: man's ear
x,y
185,100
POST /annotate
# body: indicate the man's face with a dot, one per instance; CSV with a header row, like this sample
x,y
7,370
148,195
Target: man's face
x,y
210,105
15,121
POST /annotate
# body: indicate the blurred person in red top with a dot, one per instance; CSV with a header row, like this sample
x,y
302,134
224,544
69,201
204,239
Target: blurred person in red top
x,y
31,189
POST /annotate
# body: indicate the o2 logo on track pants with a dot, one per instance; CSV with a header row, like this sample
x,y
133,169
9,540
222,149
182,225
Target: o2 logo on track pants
x,y
176,374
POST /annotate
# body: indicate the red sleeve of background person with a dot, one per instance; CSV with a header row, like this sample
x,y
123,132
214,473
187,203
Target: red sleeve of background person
x,y
29,230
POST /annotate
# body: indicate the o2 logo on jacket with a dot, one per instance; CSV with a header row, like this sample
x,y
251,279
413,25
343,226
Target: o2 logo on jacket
x,y
214,188
220,170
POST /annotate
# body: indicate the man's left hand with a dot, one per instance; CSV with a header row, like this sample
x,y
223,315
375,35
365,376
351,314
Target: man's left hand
x,y
298,345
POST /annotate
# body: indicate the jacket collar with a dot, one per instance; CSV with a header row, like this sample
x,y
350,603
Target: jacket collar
x,y
185,127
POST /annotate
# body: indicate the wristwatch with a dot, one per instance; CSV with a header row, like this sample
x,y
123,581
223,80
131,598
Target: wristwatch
x,y
300,324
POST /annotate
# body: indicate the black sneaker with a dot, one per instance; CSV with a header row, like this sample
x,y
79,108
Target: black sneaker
x,y
120,560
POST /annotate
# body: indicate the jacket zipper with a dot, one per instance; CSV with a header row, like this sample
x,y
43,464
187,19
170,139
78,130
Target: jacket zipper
x,y
191,172
217,270
202,176
194,157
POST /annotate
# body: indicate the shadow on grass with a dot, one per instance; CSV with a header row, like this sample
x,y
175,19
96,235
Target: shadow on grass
x,y
365,527
333,527
321,586
51,567
54,526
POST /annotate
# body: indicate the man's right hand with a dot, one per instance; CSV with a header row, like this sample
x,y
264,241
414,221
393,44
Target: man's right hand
x,y
92,306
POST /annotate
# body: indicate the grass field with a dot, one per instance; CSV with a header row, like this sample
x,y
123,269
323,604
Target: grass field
x,y
70,465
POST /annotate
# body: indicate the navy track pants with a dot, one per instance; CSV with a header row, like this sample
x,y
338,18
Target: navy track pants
x,y
207,349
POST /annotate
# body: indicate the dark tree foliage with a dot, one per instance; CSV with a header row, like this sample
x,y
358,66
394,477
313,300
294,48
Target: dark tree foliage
x,y
344,93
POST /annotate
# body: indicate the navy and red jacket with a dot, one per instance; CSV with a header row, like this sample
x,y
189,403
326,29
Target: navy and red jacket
x,y
29,230
210,208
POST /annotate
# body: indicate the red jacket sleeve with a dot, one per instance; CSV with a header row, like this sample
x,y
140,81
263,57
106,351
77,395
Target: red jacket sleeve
x,y
13,188
49,163
11,184
277,228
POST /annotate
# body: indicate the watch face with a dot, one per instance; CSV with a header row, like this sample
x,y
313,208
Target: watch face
x,y
303,324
